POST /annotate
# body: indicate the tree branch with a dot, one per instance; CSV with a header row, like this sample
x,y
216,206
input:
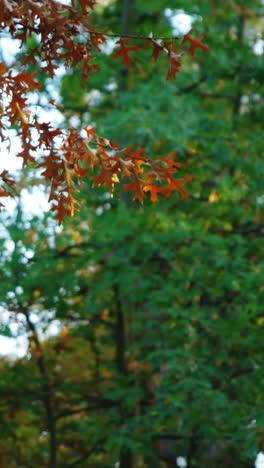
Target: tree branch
x,y
100,404
86,454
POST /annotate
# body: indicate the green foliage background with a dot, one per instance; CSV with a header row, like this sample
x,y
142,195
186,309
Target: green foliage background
x,y
164,354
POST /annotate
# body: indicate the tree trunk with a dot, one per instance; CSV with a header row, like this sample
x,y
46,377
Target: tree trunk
x,y
47,392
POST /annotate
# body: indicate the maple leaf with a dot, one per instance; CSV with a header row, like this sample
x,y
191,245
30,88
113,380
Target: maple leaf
x,y
124,50
195,42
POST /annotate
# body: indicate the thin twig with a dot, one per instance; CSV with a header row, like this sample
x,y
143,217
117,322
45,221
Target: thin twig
x,y
98,33
133,36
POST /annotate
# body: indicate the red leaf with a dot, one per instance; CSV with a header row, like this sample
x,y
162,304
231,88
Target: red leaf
x,y
28,79
195,42
157,47
86,3
105,176
53,103
174,67
124,50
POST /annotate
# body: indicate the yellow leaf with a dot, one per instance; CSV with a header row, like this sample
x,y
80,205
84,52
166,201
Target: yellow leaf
x,y
213,197
115,178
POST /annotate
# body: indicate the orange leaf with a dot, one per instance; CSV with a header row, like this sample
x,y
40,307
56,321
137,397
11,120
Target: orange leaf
x,y
154,190
137,185
53,103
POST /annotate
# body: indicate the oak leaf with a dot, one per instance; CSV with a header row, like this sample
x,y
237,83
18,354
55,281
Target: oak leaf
x,y
195,42
124,51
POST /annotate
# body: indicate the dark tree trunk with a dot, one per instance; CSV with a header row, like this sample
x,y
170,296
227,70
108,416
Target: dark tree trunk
x,y
47,393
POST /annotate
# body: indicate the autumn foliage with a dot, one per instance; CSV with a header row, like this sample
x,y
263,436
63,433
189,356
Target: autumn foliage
x,y
67,36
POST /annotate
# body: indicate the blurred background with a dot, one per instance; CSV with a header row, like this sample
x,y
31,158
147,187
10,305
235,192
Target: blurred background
x,y
132,336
